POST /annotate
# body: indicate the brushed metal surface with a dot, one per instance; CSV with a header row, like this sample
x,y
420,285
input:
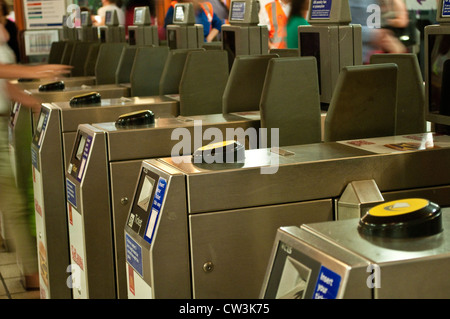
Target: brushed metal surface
x,y
410,267
123,177
238,243
124,150
68,82
156,140
93,192
320,171
107,91
53,219
111,109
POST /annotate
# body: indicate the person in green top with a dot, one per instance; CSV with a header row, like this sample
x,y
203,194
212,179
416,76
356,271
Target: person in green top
x,y
297,16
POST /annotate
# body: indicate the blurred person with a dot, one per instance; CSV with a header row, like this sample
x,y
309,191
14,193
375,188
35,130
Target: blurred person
x,y
394,14
168,18
109,5
220,9
297,17
375,39
394,21
275,17
204,14
11,28
13,203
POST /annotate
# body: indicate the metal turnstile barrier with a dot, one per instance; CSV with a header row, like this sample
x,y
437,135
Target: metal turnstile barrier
x,y
100,181
207,230
358,260
51,147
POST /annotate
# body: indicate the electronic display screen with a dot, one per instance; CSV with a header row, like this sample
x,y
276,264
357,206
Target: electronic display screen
x,y
148,200
108,17
146,192
40,127
229,45
40,122
84,18
14,112
179,15
439,74
237,11
139,16
80,147
310,46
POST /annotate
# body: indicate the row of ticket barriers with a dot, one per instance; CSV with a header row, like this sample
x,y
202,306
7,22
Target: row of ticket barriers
x,y
201,178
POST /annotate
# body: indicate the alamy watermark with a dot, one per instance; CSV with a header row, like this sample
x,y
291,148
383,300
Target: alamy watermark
x,y
374,19
73,19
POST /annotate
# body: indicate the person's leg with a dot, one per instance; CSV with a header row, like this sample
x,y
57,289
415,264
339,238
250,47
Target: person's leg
x,y
13,206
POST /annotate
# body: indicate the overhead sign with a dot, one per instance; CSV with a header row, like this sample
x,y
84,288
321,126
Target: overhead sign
x,y
43,14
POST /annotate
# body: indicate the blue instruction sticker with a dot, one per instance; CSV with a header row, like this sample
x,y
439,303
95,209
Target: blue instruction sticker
x,y
320,9
327,285
71,192
134,254
34,158
446,8
155,210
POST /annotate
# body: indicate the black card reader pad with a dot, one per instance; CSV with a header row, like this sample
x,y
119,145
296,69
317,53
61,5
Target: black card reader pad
x,y
138,118
53,86
90,98
222,152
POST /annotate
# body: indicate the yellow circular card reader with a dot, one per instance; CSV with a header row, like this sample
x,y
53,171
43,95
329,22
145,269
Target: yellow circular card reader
x,y
221,152
143,117
405,218
52,86
85,99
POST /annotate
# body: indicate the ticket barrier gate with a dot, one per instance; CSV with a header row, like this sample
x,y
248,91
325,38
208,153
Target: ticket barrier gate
x,y
57,52
184,33
243,35
142,32
197,230
71,117
86,32
100,182
107,85
111,31
333,40
361,258
68,82
437,70
50,148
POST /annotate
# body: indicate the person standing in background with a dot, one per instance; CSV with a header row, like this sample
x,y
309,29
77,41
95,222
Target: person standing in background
x,y
275,17
204,14
11,28
375,39
109,5
298,16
